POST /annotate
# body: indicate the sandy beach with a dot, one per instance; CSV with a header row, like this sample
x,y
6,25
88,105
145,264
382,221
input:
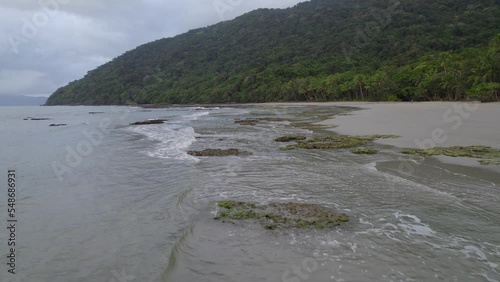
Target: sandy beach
x,y
422,125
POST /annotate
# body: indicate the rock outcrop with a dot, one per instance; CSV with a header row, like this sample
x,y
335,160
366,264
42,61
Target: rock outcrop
x,y
149,122
217,153
280,215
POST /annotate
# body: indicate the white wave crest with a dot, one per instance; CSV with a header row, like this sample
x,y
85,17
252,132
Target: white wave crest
x,y
173,140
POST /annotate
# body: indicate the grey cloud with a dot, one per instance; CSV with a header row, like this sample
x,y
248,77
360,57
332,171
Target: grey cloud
x,y
46,44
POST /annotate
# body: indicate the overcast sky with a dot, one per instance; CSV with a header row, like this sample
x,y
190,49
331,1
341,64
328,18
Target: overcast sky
x,y
46,44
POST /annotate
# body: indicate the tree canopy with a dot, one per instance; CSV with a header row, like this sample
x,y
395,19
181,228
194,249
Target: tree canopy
x,y
321,50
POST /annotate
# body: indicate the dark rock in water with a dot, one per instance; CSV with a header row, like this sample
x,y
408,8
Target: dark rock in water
x,y
281,215
149,122
290,138
209,137
363,151
247,122
336,142
217,153
95,113
276,119
58,124
33,118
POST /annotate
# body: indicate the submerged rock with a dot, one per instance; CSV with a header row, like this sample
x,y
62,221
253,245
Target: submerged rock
x,y
489,162
149,122
290,138
336,142
34,118
281,215
95,113
488,155
259,120
247,122
58,124
217,153
277,119
363,151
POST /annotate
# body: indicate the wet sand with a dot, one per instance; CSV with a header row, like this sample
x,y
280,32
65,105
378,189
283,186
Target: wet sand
x,y
421,125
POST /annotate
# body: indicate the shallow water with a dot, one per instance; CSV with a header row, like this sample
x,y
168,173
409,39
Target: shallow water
x,y
138,208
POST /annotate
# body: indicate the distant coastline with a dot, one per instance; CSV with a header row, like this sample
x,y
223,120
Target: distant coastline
x,y
20,100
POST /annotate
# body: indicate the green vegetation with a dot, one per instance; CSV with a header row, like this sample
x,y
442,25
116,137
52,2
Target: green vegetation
x,y
246,122
487,155
363,151
336,142
489,162
259,120
290,138
321,50
280,215
275,119
217,153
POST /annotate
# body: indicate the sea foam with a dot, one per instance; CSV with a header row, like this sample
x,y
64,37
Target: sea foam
x,y
174,139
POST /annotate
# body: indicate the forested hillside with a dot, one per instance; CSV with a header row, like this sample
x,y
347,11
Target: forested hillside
x,y
322,50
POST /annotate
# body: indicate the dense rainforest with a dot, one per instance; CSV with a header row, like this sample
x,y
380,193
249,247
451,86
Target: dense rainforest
x,y
321,50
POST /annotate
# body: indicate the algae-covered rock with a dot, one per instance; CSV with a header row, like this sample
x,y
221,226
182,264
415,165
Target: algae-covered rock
x,y
363,151
281,215
489,162
277,119
290,138
247,122
217,153
488,155
336,142
259,120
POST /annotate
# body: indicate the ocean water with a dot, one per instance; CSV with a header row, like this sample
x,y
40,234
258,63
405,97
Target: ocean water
x,y
99,200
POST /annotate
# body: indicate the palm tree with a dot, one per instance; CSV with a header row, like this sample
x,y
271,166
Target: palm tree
x,y
359,81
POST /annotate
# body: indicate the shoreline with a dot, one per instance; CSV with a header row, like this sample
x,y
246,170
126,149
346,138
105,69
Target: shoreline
x,y
302,103
420,125
424,125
